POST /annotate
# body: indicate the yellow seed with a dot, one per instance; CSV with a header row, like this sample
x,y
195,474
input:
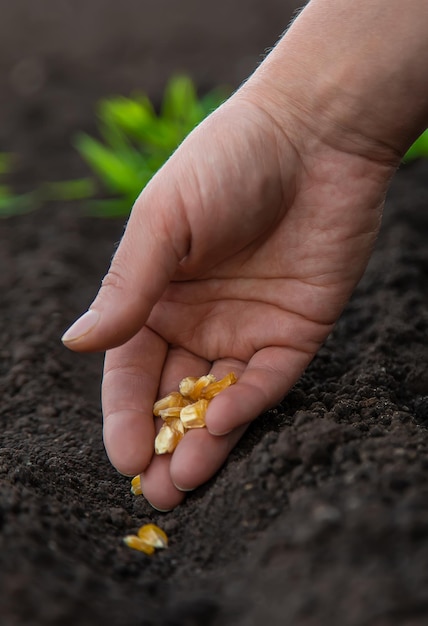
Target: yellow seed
x,y
191,387
214,388
132,541
193,416
172,411
148,538
187,385
169,436
136,486
153,536
173,399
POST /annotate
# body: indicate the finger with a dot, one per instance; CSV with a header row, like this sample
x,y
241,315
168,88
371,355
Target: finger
x,y
265,381
156,482
157,485
129,388
221,367
155,241
199,456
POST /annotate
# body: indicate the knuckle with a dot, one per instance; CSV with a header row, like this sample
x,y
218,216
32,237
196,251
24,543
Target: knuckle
x,y
115,278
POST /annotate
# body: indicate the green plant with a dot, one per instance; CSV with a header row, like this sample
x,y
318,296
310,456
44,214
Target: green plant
x,y
135,141
419,149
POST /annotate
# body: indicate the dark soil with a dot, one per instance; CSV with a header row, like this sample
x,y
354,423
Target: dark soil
x,y
320,516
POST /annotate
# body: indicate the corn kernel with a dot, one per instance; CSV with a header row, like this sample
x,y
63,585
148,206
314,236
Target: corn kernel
x,y
172,411
136,486
191,387
153,536
171,400
169,436
148,538
187,385
193,416
214,388
185,409
134,542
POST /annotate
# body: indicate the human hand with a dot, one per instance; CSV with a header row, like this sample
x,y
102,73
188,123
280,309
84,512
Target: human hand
x,y
239,255
243,250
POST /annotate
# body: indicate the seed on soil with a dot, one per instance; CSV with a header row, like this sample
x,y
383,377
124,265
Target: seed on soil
x,y
136,486
134,542
148,539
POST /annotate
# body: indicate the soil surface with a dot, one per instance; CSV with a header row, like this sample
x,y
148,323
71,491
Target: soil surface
x,y
320,515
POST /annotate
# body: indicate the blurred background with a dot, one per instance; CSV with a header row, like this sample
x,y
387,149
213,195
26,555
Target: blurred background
x,y
58,57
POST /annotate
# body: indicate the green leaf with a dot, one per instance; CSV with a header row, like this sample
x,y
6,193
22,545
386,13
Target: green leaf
x,y
180,102
419,149
126,114
115,172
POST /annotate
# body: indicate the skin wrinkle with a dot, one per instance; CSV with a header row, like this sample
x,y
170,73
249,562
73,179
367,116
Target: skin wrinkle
x,y
280,336
167,238
206,297
369,149
196,256
229,298
287,195
183,219
108,417
130,373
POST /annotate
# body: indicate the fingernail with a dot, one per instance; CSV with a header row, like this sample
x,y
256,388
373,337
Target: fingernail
x,y
157,508
219,434
81,326
184,489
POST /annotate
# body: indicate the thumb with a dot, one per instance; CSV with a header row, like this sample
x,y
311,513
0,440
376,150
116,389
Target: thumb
x,y
154,242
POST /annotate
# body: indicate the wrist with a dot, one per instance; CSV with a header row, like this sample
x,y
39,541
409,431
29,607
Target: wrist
x,y
336,77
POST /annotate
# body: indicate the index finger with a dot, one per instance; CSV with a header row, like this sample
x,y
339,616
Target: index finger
x,y
130,384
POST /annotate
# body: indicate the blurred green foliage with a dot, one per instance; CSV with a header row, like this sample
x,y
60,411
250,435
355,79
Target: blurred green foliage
x,y
419,149
135,141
